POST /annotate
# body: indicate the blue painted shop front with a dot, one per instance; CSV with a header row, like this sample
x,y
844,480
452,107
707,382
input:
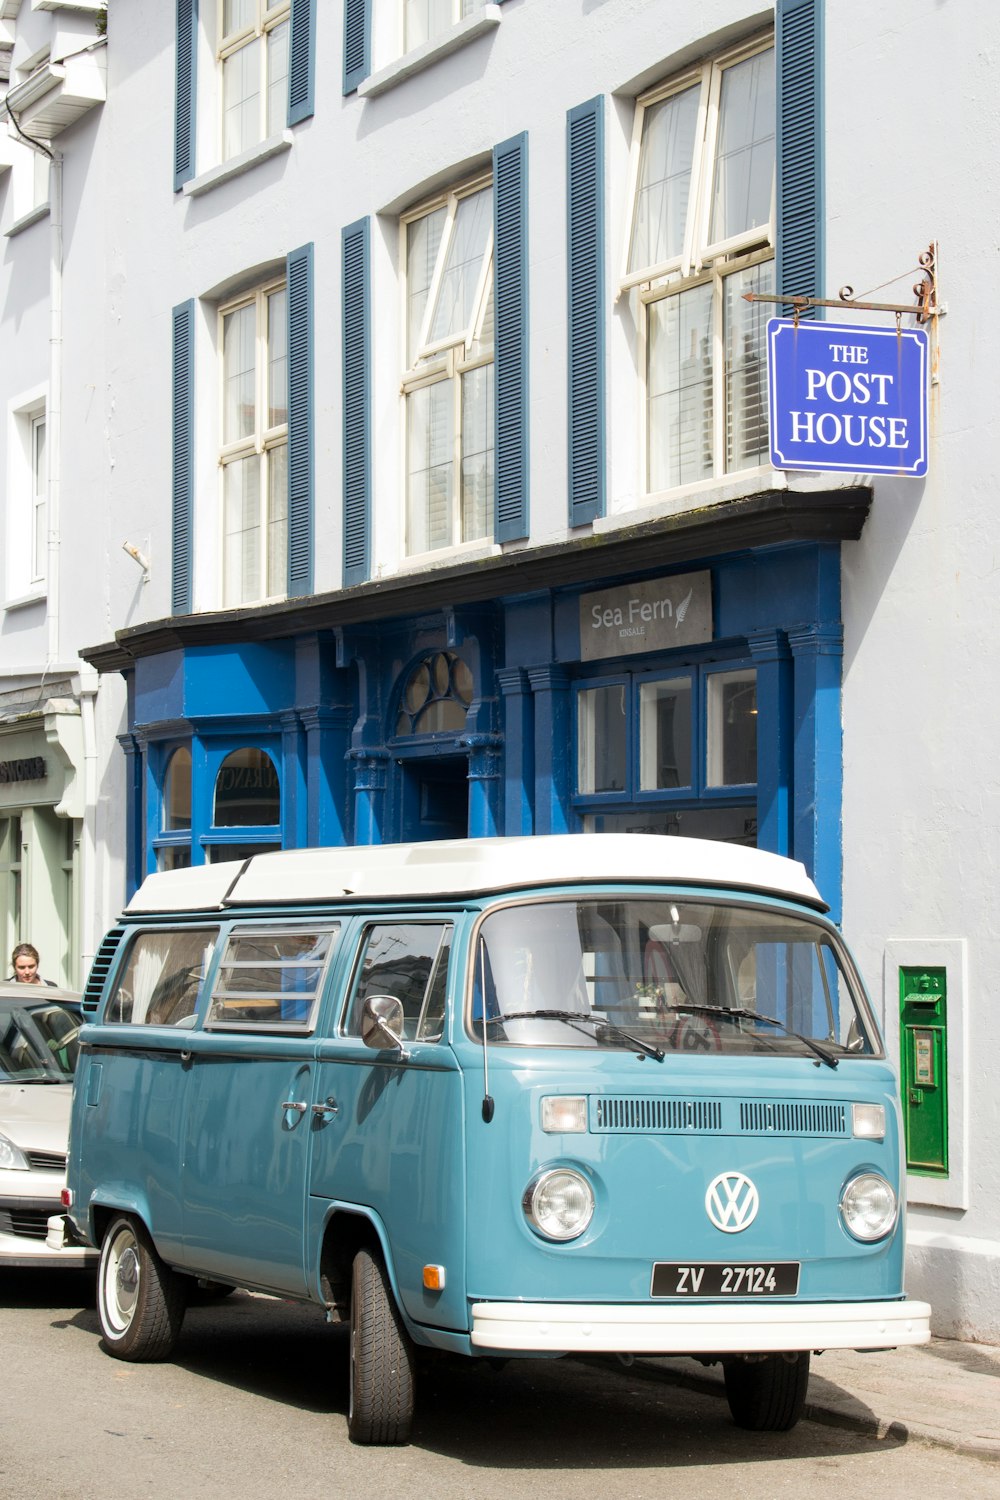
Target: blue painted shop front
x,y
496,716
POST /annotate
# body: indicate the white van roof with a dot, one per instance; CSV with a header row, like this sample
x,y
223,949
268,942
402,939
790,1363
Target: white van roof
x,y
459,867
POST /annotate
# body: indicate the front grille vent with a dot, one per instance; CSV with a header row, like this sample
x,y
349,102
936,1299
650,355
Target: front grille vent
x,y
790,1117
46,1161
664,1116
26,1223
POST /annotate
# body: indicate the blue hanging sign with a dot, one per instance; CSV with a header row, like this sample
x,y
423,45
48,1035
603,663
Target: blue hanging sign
x,y
847,397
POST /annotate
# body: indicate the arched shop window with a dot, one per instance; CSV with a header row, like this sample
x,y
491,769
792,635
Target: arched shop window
x,y
435,697
173,847
669,752
246,816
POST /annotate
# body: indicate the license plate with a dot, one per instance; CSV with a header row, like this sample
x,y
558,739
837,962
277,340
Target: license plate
x,y
725,1279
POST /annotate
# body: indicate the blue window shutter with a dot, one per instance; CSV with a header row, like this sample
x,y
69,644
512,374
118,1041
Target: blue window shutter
x,y
185,92
585,256
357,42
181,592
300,420
357,402
799,59
510,282
301,62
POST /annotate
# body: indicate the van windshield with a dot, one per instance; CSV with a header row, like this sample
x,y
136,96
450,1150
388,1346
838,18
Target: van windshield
x,y
662,977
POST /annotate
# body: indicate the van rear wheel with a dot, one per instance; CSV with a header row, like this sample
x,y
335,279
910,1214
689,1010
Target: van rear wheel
x,y
768,1394
140,1300
380,1408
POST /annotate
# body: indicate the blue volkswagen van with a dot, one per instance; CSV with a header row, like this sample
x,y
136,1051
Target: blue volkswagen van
x,y
503,1097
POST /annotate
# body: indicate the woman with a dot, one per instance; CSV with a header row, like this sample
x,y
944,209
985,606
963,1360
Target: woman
x,y
25,963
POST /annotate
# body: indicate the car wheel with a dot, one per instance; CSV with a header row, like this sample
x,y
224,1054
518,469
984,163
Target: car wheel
x,y
768,1394
380,1408
140,1301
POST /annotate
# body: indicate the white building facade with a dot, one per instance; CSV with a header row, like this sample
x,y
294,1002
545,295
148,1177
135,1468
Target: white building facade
x,y
413,472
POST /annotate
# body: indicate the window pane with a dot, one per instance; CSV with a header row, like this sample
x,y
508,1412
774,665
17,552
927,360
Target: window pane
x,y
39,486
464,264
679,394
399,960
277,78
423,240
242,579
277,358
745,328
160,982
177,792
247,791
430,451
239,331
425,19
241,100
271,978
665,734
665,161
602,726
744,161
277,520
732,728
237,15
477,453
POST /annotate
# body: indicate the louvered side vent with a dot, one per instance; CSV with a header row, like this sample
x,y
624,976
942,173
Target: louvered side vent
x,y
99,970
662,1116
788,1117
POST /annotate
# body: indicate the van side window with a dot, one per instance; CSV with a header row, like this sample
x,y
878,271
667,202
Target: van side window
x,y
408,960
162,976
271,978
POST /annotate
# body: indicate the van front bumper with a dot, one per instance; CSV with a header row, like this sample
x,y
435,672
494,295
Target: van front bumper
x,y
734,1328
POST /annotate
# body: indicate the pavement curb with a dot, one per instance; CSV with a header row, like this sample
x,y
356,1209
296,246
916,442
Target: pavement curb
x,y
866,1422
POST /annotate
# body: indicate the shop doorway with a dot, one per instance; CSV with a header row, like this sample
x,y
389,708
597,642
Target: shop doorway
x,y
434,800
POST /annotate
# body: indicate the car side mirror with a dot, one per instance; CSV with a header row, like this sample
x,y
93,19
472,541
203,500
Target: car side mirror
x,y
382,1022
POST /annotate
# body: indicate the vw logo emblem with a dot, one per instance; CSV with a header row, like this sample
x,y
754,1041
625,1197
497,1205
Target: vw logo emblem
x,y
731,1202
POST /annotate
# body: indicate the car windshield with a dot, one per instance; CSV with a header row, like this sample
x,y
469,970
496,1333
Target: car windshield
x,y
38,1042
667,977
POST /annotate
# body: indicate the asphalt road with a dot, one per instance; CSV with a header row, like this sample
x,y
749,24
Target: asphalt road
x,y
253,1407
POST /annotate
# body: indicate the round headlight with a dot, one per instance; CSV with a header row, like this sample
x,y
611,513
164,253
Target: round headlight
x,y
868,1207
559,1204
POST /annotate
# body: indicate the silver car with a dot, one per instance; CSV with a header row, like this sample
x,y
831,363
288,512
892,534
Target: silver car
x,y
39,1044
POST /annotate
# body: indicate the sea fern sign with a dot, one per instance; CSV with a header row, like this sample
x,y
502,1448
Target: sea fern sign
x,y
658,614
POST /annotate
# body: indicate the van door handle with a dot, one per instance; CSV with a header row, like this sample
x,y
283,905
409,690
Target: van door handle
x,y
298,1105
321,1111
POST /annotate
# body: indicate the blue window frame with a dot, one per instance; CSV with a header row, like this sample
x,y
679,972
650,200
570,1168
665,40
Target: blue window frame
x,y
671,751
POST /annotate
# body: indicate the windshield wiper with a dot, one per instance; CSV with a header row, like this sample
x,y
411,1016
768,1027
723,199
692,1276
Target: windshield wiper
x,y
742,1012
574,1017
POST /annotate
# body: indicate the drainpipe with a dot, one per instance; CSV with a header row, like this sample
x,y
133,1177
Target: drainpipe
x,y
53,411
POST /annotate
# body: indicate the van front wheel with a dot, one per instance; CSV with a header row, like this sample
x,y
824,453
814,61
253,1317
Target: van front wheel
x,y
140,1301
767,1394
380,1406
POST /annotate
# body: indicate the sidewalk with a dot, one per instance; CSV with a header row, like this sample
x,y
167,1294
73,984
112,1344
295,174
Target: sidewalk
x,y
944,1392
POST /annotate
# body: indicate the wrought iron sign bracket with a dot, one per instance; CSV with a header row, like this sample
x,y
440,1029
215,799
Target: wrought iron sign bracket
x,y
925,290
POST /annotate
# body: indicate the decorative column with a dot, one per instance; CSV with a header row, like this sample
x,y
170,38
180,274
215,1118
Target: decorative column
x,y
773,662
328,732
369,794
817,786
485,752
553,772
519,751
293,782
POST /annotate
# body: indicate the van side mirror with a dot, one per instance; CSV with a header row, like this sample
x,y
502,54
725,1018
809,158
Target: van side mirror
x,y
382,1022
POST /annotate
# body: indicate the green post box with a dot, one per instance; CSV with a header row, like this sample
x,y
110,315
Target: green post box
x,y
923,1033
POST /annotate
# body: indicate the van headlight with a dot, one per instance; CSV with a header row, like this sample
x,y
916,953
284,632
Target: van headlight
x,y
868,1207
11,1156
558,1204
